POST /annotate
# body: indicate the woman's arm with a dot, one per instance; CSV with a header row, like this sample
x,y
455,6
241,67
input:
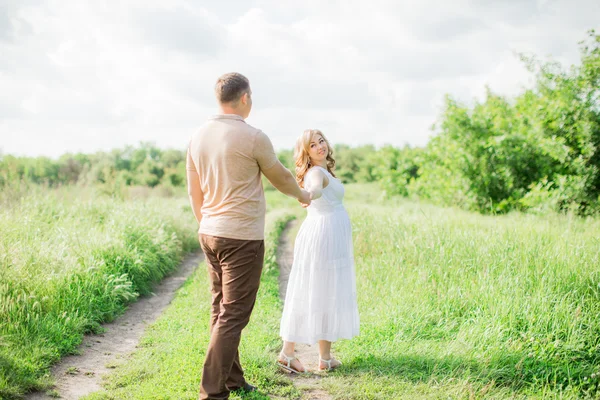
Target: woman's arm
x,y
314,182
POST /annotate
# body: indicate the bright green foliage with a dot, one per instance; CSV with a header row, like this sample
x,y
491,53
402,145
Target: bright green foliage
x,y
459,305
287,159
394,168
355,164
70,260
146,165
539,151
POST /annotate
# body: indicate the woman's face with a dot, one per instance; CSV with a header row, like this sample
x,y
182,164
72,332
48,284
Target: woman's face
x,y
317,150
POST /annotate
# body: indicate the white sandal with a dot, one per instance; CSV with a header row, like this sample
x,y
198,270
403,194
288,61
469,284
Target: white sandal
x,y
328,362
288,361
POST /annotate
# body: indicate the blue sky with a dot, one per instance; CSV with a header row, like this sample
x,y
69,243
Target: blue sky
x,y
88,75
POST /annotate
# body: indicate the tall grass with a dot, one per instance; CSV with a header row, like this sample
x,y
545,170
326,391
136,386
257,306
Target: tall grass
x,y
168,364
453,304
70,260
459,305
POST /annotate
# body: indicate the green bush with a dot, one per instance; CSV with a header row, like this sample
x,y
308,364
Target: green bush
x,y
538,151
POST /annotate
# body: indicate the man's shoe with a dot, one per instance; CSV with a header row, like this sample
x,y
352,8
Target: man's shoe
x,y
246,388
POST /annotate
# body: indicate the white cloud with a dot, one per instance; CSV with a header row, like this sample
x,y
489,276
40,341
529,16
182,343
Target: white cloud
x,y
87,76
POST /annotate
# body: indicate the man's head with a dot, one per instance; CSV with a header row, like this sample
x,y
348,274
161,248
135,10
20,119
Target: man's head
x,y
233,94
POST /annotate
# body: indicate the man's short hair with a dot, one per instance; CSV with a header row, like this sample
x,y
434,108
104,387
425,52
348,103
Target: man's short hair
x,y
231,87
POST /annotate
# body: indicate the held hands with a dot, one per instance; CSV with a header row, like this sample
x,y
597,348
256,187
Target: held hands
x,y
305,198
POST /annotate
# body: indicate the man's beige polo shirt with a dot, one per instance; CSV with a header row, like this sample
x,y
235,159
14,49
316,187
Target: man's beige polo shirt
x,y
228,155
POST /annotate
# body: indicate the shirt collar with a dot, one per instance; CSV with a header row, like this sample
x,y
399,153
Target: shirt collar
x,y
228,116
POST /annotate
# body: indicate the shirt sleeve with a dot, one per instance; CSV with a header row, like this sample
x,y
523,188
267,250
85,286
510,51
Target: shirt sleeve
x,y
189,163
263,151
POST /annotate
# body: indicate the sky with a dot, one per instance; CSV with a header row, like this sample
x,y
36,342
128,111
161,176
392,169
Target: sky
x,y
86,76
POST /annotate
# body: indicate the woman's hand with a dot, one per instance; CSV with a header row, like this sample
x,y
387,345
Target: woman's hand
x,y
305,198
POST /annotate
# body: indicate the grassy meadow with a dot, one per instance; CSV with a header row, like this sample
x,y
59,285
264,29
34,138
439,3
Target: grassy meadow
x,y
459,305
168,364
456,305
71,259
453,305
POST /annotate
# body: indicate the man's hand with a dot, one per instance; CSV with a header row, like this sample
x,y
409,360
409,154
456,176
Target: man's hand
x,y
304,198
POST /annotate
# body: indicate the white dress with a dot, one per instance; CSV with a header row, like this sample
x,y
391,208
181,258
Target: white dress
x,y
320,301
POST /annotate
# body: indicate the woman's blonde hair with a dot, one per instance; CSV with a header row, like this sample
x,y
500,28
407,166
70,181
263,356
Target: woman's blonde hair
x,y
302,158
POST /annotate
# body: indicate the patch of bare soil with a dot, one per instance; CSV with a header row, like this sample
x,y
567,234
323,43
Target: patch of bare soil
x,y
80,375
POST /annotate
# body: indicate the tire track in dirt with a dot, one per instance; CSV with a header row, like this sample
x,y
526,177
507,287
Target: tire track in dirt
x,y
80,375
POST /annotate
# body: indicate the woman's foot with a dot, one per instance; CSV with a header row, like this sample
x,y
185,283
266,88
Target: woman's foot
x,y
328,364
290,364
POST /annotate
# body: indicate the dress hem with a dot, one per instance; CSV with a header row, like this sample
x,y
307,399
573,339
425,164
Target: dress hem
x,y
315,339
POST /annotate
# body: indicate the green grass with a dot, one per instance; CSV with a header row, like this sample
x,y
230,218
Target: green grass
x,y
70,260
453,305
459,305
169,362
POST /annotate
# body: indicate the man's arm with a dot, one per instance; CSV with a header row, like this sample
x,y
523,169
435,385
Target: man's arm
x,y
276,173
284,181
194,190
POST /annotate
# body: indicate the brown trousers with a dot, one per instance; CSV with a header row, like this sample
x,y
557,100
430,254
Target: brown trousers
x,y
234,268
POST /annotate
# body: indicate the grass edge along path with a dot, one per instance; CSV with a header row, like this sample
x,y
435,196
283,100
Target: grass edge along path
x,y
68,264
169,360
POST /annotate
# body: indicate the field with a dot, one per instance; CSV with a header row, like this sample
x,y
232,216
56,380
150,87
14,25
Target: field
x,y
453,304
71,259
457,305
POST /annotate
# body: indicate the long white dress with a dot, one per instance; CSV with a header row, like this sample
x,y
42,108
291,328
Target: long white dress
x,y
320,301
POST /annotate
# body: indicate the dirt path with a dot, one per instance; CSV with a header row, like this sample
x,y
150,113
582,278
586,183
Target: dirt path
x,y
310,384
79,375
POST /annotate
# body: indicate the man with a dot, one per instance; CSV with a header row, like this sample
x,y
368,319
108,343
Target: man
x,y
224,162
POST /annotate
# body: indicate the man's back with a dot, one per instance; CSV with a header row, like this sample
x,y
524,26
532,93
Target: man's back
x,y
228,155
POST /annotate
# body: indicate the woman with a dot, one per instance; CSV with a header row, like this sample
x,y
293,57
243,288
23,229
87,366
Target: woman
x,y
320,303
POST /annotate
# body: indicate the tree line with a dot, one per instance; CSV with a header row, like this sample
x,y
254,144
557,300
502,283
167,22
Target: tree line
x,y
144,165
538,151
148,165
